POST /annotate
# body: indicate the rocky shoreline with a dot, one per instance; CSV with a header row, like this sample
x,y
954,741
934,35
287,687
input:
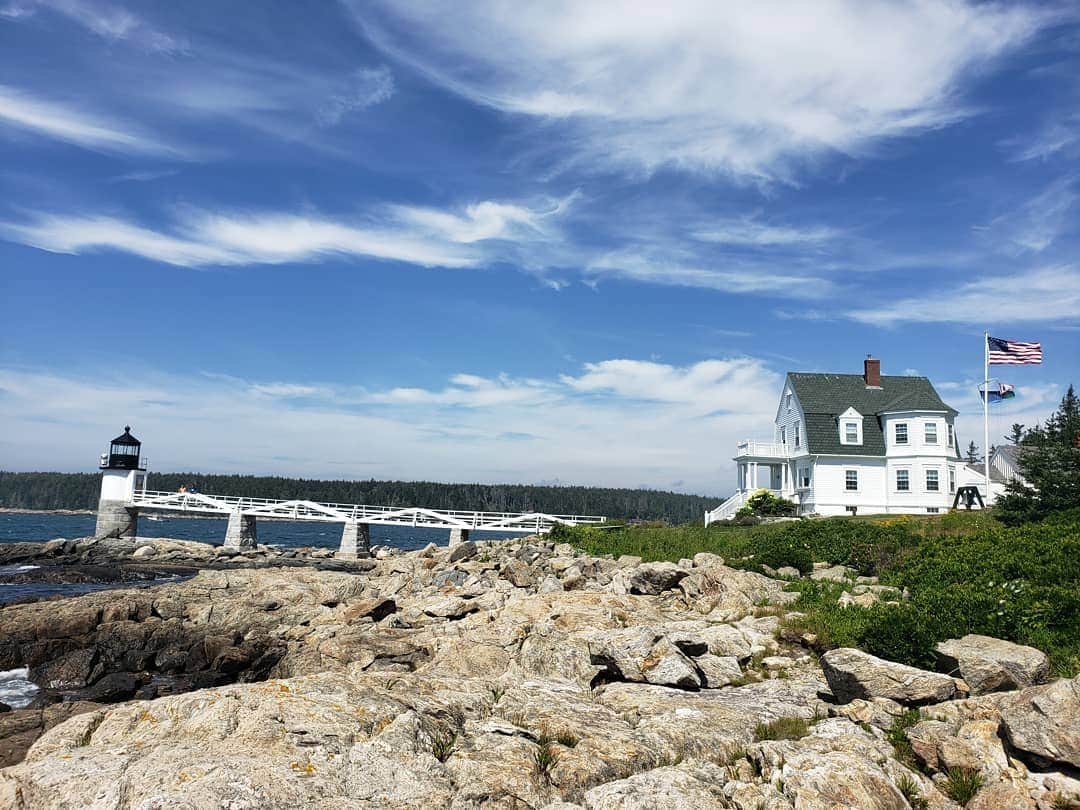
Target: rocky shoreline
x,y
501,675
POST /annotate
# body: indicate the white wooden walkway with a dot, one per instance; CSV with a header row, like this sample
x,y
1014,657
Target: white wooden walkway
x,y
227,505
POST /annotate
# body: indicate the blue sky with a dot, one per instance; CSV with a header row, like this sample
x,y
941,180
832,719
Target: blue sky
x,y
519,242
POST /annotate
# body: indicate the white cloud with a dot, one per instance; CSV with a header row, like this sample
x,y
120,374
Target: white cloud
x,y
420,236
286,390
1055,137
65,123
1046,294
732,276
1038,223
368,88
750,233
743,88
705,387
115,24
618,422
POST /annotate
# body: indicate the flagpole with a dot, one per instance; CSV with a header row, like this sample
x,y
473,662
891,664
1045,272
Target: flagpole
x,y
986,412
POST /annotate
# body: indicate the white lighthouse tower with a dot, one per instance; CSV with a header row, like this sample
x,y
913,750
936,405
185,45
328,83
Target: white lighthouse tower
x,y
121,475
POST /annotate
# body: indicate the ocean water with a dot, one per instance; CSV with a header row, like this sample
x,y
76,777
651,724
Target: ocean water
x,y
42,526
16,689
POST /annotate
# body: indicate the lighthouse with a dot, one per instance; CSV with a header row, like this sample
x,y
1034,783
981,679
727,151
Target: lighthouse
x,y
122,473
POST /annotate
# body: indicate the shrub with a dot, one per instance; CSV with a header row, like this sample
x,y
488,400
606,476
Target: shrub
x,y
764,504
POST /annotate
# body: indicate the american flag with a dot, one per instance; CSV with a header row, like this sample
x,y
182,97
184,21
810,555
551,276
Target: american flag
x,y
1013,352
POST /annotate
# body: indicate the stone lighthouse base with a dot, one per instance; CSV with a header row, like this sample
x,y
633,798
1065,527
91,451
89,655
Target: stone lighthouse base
x,y
115,519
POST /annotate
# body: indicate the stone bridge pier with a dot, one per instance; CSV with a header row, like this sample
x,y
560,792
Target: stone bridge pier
x,y
241,532
458,536
355,540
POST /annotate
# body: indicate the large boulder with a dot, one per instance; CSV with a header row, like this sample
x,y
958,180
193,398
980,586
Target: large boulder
x,y
643,654
690,784
855,674
990,664
656,577
1044,722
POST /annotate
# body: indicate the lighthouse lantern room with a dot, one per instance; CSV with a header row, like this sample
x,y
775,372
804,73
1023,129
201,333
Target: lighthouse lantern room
x,y
122,472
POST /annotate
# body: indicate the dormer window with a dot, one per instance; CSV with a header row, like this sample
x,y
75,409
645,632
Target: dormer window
x,y
930,429
900,433
850,426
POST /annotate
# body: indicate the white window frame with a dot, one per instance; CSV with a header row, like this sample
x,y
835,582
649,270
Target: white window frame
x,y
804,478
928,429
851,432
937,479
952,436
787,401
798,436
851,471
896,433
907,481
952,480
783,435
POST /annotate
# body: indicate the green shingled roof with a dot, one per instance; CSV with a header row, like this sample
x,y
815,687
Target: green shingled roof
x,y
825,396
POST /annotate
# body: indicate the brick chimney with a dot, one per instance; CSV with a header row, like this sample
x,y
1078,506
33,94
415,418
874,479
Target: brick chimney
x,y
872,372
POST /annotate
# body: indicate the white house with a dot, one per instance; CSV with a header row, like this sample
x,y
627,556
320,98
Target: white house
x,y
851,443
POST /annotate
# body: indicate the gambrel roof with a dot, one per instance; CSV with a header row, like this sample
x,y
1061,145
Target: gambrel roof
x,y
824,397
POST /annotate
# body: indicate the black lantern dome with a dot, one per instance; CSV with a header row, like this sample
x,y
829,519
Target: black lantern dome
x,y
124,452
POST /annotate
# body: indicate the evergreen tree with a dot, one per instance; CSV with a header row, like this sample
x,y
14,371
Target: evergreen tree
x,y
1017,434
1049,461
973,453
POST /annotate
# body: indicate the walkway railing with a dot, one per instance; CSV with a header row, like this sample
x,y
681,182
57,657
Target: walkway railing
x,y
526,522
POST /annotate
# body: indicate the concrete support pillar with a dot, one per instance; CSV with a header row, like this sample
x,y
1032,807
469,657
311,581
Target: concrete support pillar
x,y
459,536
116,519
355,540
241,531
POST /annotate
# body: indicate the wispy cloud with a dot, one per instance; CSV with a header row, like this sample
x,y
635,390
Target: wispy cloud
x,y
742,89
369,87
725,275
1057,137
1045,294
115,24
72,125
1041,220
751,233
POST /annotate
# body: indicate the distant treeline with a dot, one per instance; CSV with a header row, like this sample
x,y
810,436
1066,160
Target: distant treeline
x,y
81,490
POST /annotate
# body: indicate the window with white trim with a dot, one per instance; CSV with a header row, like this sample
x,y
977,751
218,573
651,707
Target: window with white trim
x,y
783,435
900,433
932,483
804,477
932,510
788,398
851,432
952,439
952,480
903,481
798,437
851,480
930,432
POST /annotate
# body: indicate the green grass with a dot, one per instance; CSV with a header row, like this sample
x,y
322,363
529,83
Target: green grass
x,y
961,785
912,793
965,572
443,746
783,728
